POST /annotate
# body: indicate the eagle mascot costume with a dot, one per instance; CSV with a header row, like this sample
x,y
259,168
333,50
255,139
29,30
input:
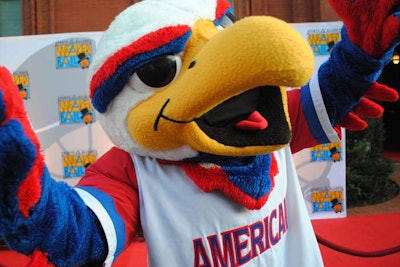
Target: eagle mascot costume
x,y
204,130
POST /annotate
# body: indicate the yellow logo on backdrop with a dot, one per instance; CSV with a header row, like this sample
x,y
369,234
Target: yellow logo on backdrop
x,y
73,50
75,109
73,53
21,79
75,163
322,40
327,200
327,152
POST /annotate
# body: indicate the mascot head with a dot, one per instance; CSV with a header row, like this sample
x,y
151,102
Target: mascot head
x,y
173,79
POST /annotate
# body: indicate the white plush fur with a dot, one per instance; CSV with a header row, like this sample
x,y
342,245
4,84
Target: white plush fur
x,y
145,17
134,22
114,124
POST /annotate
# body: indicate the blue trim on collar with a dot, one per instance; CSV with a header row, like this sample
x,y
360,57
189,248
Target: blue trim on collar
x,y
253,178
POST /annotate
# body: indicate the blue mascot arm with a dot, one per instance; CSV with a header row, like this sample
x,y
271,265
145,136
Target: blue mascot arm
x,y
37,213
348,75
347,81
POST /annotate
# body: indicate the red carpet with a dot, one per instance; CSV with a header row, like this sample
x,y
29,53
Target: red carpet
x,y
12,259
392,154
135,255
367,236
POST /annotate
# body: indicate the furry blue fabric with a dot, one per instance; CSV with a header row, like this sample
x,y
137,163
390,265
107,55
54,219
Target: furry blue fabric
x,y
16,158
17,154
252,178
56,225
347,75
250,174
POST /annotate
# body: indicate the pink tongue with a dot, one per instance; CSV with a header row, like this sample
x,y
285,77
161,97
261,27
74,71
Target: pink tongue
x,y
254,122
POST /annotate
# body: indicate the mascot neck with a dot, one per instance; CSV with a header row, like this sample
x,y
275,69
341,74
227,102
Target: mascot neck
x,y
246,180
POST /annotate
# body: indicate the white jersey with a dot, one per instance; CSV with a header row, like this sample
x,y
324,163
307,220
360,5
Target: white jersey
x,y
185,226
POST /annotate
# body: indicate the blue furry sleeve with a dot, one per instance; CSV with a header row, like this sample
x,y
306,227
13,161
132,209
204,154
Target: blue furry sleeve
x,y
60,224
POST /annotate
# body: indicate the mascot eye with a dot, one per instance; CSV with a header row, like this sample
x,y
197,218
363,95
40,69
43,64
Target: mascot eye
x,y
159,72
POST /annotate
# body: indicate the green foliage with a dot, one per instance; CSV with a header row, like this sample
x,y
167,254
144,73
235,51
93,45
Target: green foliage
x,y
367,171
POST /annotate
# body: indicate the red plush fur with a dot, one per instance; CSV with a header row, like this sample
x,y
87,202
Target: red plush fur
x,y
368,24
39,259
214,178
222,6
30,189
382,92
368,108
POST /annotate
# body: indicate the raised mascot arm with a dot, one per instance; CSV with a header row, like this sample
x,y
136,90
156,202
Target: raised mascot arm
x,y
348,80
37,215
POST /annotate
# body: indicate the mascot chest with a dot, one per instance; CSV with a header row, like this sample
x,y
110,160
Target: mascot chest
x,y
173,207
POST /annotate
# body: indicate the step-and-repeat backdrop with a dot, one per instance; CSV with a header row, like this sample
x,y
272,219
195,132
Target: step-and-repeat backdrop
x,y
50,72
